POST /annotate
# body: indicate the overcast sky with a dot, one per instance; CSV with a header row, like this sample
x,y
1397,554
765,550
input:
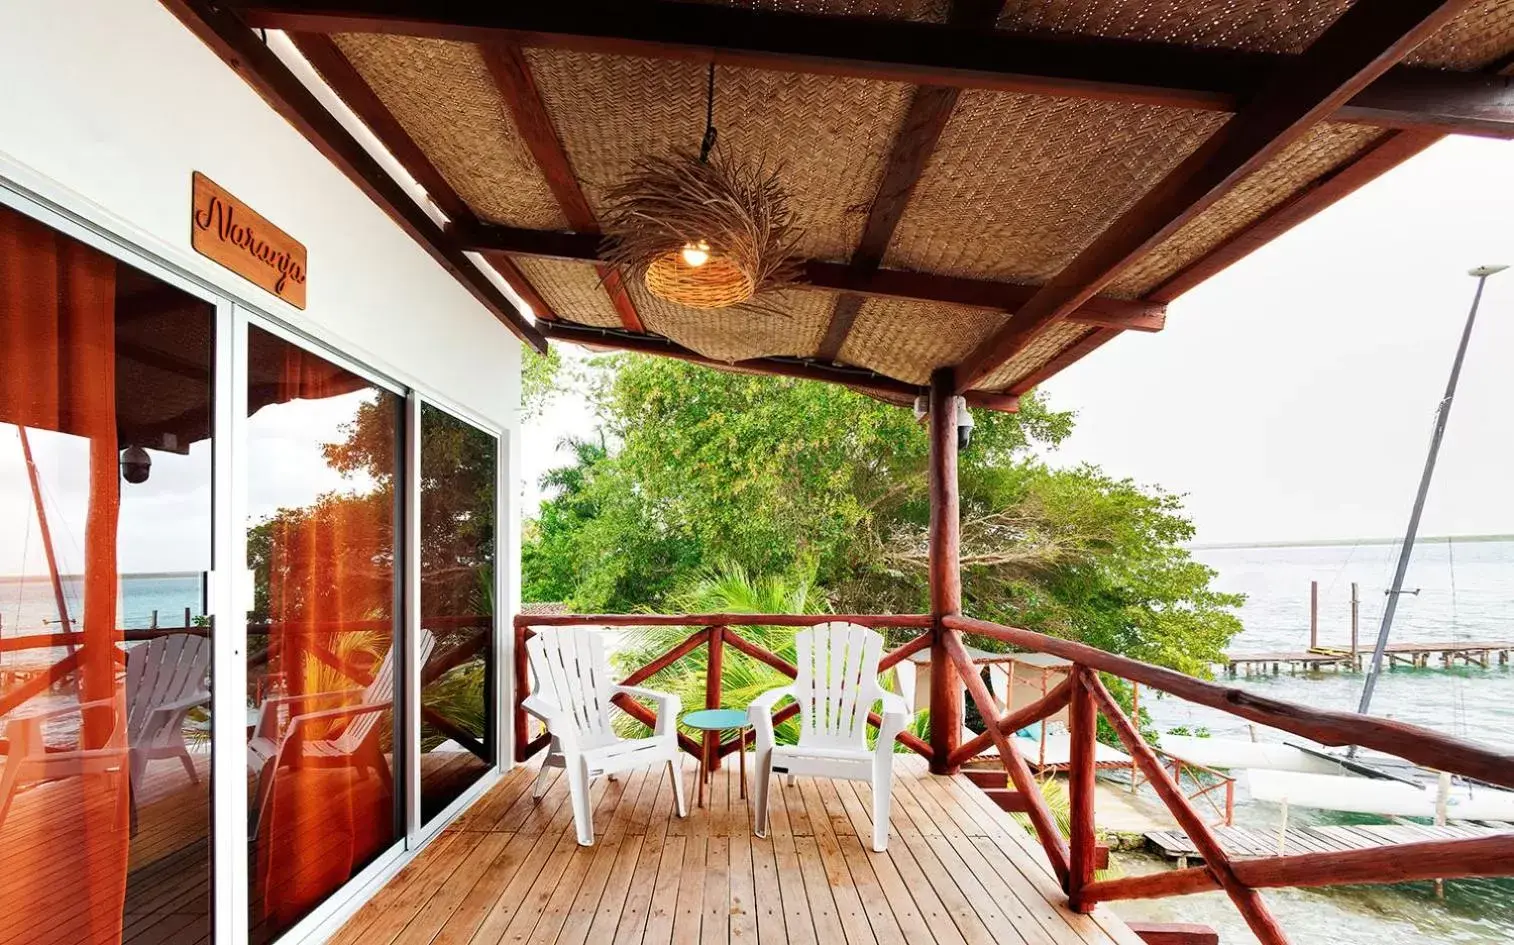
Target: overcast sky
x,y
1291,396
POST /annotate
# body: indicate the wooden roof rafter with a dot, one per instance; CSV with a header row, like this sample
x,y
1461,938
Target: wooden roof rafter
x,y
1363,43
1100,311
337,71
930,108
245,54
512,76
916,53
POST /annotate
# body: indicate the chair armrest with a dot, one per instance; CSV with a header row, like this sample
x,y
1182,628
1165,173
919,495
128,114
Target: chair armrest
x,y
895,712
760,714
57,712
183,705
557,723
268,709
669,705
330,715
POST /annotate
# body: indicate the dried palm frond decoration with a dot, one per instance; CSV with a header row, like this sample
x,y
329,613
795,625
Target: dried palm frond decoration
x,y
703,230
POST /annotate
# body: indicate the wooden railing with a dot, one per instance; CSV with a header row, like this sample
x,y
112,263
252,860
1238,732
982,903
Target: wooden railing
x,y
1086,697
1219,782
714,632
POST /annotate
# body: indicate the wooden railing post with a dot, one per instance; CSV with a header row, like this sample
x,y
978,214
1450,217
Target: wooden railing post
x,y
1083,728
713,690
522,687
945,575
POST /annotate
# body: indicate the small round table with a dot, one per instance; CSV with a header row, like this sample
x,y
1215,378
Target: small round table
x,y
717,721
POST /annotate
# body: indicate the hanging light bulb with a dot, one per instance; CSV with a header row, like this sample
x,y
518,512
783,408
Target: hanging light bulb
x,y
696,254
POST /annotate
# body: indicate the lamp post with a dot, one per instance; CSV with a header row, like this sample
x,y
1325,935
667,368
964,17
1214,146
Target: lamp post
x,y
1442,414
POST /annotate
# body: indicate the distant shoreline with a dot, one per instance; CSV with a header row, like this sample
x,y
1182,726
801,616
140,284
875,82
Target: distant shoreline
x,y
43,578
1345,542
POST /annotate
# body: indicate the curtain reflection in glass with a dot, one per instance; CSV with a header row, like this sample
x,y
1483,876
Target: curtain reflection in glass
x,y
105,374
458,464
321,658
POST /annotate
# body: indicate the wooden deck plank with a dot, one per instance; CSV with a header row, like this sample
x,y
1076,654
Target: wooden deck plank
x,y
958,871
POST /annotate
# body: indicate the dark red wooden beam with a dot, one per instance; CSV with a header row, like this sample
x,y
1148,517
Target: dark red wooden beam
x,y
1174,933
1395,148
512,77
859,379
1362,44
901,51
1100,311
245,54
337,71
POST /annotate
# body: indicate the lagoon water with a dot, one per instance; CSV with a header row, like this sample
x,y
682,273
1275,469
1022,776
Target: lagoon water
x,y
1466,592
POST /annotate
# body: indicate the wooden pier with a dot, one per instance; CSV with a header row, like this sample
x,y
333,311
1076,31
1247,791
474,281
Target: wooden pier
x,y
1447,653
1242,842
1354,656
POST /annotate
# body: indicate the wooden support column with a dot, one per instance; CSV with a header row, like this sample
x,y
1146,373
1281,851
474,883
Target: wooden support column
x,y
945,570
714,691
1083,726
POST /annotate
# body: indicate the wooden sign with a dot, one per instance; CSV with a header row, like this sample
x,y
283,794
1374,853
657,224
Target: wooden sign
x,y
228,231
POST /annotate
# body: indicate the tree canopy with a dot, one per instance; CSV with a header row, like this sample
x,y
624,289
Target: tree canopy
x,y
695,470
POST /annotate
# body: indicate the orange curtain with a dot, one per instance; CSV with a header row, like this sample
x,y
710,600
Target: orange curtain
x,y
330,583
57,372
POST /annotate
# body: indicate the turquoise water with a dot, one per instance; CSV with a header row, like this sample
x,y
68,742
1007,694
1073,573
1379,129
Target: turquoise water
x,y
1466,593
28,605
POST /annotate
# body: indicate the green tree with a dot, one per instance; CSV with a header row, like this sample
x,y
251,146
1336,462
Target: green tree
x,y
784,477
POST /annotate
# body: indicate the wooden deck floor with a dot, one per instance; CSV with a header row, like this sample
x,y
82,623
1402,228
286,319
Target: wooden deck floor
x,y
958,871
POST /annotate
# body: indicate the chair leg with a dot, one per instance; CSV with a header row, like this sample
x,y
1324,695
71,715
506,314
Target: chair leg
x,y
883,795
675,771
189,765
792,780
9,777
762,773
539,786
578,792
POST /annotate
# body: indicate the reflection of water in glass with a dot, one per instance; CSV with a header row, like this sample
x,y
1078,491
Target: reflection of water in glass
x,y
28,605
1466,594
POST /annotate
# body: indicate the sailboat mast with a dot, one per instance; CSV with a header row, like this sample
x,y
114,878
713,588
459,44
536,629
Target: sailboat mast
x,y
47,535
1442,414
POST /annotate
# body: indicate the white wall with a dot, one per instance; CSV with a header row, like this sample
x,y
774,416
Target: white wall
x,y
109,105
115,101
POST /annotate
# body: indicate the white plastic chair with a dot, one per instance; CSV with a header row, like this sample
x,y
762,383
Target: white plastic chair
x,y
837,686
572,696
165,678
355,745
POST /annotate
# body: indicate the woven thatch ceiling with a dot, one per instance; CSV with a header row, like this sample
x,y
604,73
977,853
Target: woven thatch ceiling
x,y
957,213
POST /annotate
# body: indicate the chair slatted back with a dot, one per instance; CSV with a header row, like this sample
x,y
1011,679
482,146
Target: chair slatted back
x,y
163,670
573,672
837,683
381,692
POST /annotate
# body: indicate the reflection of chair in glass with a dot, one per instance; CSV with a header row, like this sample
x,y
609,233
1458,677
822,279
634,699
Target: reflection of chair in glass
x,y
343,736
572,696
836,688
28,761
165,678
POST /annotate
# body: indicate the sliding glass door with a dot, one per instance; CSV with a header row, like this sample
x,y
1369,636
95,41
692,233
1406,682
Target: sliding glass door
x,y
248,607
107,452
324,494
457,525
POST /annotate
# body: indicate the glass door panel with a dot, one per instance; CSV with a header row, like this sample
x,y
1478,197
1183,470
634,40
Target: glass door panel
x,y
106,450
458,483
322,664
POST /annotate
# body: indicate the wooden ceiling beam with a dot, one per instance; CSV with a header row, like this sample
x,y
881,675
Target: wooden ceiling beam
x,y
1363,43
910,52
237,46
512,77
929,110
498,242
859,379
338,72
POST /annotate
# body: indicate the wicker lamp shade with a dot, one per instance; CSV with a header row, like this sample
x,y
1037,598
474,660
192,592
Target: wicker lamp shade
x,y
733,220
